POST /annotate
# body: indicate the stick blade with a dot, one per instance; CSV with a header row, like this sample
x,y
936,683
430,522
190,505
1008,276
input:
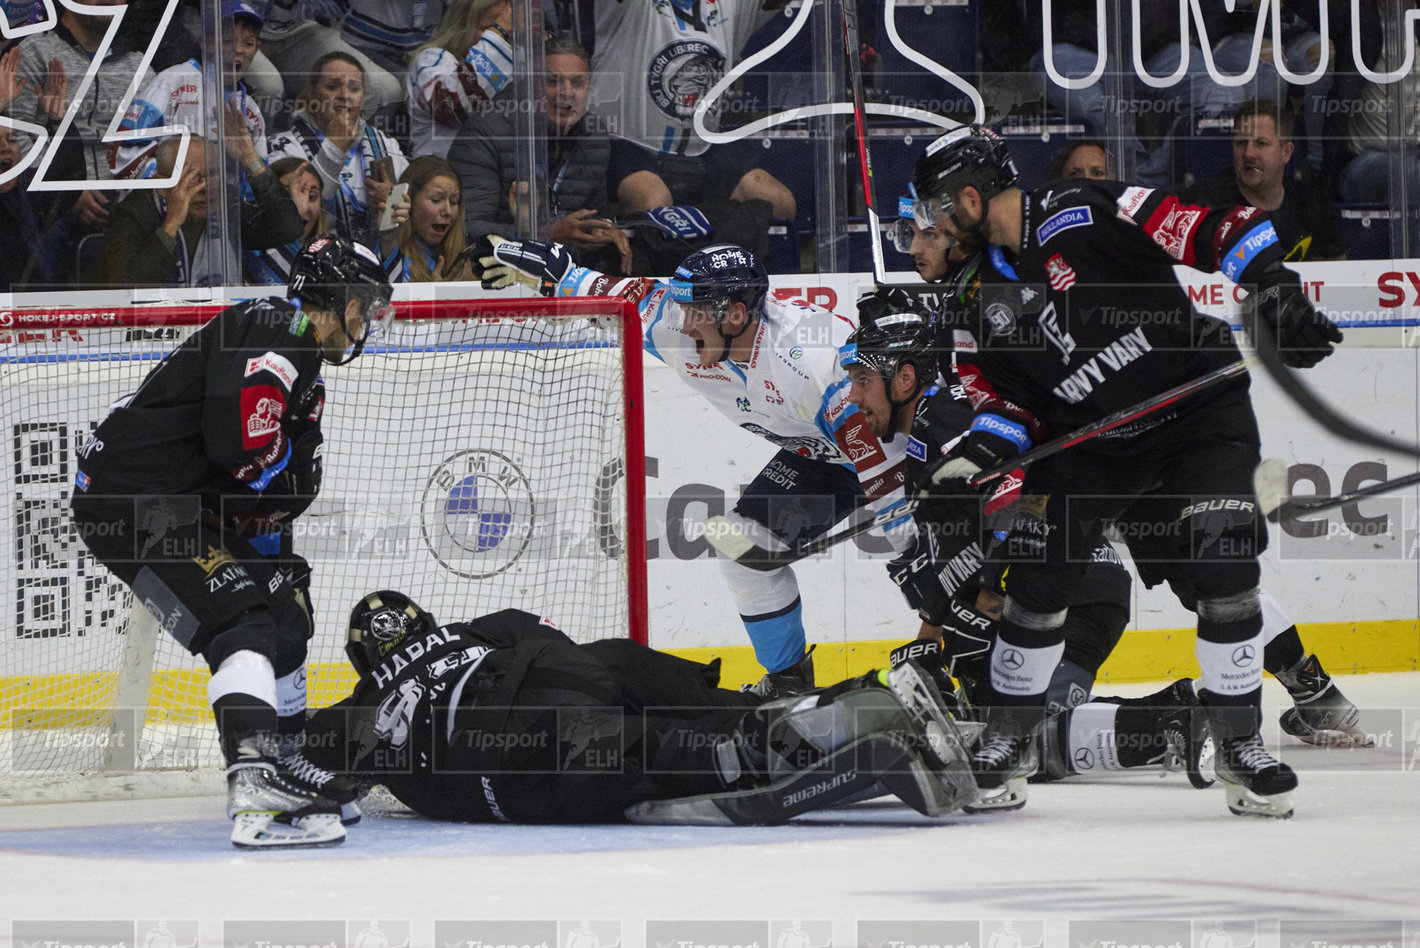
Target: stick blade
x,y
1269,482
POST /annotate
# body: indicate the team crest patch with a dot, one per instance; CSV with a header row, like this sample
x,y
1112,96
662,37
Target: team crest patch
x,y
1061,276
681,74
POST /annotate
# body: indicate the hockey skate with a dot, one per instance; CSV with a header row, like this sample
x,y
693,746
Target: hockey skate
x,y
270,810
341,790
1321,714
795,680
1257,783
1185,729
1003,761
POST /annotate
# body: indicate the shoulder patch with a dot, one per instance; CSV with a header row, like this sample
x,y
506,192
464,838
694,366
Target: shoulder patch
x,y
1131,200
916,449
1066,219
275,363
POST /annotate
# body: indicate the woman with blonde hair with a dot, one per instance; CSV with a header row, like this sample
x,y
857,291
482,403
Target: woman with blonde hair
x,y
467,63
427,240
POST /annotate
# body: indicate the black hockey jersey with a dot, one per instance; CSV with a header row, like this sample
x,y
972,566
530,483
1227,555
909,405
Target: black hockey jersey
x,y
218,416
1090,318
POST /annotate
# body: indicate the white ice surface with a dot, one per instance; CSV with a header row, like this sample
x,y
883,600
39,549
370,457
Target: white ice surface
x,y
1136,847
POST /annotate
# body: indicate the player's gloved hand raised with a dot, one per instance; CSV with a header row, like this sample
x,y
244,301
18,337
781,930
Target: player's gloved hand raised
x,y
885,302
1303,336
992,440
500,263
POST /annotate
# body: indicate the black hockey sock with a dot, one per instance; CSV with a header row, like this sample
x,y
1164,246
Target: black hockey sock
x,y
1138,734
1232,716
245,719
1284,652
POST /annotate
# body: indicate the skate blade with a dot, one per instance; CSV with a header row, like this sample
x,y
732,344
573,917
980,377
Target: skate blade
x,y
350,814
259,829
1243,802
1010,796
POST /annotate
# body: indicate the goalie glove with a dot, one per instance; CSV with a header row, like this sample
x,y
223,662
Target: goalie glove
x,y
991,440
1302,335
929,658
500,263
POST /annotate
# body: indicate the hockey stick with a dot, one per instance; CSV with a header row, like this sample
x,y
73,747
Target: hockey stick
x,y
1270,483
729,540
1108,423
860,126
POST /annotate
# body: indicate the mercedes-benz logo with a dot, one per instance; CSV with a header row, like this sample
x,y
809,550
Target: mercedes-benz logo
x,y
1012,658
1244,655
1084,759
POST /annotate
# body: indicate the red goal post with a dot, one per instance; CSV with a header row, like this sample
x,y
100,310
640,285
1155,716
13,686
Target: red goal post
x,y
483,454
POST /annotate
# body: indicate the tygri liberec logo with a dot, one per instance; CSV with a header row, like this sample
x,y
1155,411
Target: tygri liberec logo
x,y
477,514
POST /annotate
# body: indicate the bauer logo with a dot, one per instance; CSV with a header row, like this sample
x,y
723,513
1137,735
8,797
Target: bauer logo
x,y
477,514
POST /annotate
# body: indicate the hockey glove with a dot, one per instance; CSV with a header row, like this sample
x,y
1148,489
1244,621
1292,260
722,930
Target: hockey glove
x,y
295,488
916,575
992,440
929,657
680,221
503,263
885,302
1289,321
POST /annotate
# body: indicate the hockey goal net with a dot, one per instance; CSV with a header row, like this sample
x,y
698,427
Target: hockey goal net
x,y
481,455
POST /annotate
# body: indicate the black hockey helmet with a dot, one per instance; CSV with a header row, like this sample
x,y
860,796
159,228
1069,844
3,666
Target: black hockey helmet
x,y
722,274
381,622
330,271
893,329
971,155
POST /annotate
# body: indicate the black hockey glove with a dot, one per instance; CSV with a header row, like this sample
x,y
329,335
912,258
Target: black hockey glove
x,y
500,263
929,657
295,488
992,440
885,302
1289,321
921,585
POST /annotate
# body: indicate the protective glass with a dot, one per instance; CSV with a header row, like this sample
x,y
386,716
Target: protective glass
x,y
701,310
379,314
904,232
929,212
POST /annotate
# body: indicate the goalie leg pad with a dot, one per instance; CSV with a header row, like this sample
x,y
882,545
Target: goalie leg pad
x,y
852,772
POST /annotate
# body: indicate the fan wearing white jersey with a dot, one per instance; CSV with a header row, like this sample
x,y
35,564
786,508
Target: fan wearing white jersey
x,y
652,64
771,367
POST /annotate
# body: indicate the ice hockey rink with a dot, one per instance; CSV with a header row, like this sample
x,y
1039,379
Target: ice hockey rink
x,y
1101,863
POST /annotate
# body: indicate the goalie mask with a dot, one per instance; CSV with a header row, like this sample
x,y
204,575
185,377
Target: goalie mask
x,y
379,624
329,272
972,155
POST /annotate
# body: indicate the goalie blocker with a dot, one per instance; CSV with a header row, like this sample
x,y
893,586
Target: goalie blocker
x,y
503,718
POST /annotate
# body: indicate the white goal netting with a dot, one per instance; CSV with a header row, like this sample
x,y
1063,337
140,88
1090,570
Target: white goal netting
x,y
482,455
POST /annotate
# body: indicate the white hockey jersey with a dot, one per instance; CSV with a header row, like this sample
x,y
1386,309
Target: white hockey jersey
x,y
791,392
175,97
654,62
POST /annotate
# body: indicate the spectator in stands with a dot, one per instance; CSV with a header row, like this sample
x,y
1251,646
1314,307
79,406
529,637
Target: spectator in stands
x,y
578,150
1082,158
427,242
19,224
357,162
378,35
175,97
162,237
1233,33
652,65
272,267
457,74
1147,116
48,63
1306,221
1378,117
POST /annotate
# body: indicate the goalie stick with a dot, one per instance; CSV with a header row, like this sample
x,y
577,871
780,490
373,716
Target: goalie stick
x,y
1270,483
853,49
729,541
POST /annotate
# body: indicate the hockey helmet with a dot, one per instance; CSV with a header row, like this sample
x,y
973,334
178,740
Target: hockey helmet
x,y
893,330
722,274
971,155
330,271
381,622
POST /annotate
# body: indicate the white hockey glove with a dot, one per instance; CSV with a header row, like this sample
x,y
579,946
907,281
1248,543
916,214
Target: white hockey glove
x,y
505,263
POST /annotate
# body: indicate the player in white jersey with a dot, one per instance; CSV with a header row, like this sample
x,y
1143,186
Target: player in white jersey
x,y
771,367
176,97
652,65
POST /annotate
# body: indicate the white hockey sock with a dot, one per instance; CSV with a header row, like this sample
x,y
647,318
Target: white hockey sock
x,y
291,694
244,672
1092,745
